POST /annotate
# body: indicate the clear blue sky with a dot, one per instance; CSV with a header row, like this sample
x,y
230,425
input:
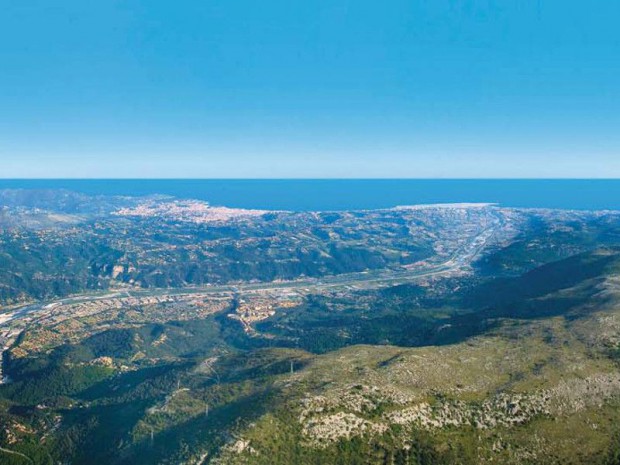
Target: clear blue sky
x,y
324,88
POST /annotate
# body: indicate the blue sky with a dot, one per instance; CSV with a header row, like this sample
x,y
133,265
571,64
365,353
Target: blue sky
x,y
324,88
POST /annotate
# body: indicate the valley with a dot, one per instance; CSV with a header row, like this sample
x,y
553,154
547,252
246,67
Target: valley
x,y
465,333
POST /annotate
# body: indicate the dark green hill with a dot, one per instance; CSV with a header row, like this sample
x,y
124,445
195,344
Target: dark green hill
x,y
548,278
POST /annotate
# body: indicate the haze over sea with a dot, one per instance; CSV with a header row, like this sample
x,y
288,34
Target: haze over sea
x,y
353,194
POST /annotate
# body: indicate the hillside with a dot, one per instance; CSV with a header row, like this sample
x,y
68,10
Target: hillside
x,y
539,369
166,331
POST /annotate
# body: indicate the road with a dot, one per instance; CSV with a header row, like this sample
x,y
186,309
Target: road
x,y
17,454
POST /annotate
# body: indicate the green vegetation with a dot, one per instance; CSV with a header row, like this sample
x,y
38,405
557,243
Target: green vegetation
x,y
514,360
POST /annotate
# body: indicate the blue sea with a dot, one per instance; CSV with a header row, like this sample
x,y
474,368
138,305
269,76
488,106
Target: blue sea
x,y
315,194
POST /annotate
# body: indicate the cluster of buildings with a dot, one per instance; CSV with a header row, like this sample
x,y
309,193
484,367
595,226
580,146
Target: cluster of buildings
x,y
192,211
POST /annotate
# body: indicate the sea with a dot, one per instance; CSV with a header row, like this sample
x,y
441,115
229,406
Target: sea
x,y
353,194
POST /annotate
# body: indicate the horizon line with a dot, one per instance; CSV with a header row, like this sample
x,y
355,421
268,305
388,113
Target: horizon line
x,y
310,179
